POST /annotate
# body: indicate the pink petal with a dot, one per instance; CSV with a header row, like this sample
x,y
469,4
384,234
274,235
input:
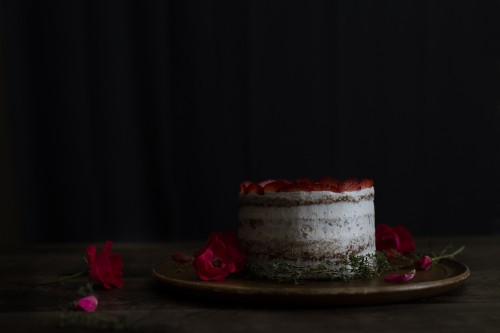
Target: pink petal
x,y
424,263
398,278
180,257
88,304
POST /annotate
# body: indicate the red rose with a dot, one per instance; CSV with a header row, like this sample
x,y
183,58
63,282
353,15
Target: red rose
x,y
219,257
394,239
106,267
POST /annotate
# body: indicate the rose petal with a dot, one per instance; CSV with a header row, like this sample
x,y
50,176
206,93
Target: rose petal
x,y
115,259
106,249
205,269
212,236
406,244
219,257
382,228
88,304
236,254
180,257
91,251
386,239
424,263
105,267
389,239
398,278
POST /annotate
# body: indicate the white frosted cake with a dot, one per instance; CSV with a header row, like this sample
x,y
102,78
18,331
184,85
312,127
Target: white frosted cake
x,y
312,226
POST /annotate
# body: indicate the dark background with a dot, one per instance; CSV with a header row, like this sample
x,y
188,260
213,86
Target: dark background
x,y
137,120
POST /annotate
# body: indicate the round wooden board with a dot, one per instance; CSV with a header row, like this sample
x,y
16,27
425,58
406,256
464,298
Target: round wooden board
x,y
442,277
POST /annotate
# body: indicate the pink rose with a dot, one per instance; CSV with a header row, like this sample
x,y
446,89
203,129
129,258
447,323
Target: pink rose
x,y
105,267
394,239
87,304
219,257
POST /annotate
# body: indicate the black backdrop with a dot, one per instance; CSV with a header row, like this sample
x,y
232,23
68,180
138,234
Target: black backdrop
x,y
137,120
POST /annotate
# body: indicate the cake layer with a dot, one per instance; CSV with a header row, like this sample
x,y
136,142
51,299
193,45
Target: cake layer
x,y
293,238
284,199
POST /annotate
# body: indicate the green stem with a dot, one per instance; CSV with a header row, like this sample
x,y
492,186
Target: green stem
x,y
65,278
447,256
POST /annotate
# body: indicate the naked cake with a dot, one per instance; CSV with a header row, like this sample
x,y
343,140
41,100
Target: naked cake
x,y
311,226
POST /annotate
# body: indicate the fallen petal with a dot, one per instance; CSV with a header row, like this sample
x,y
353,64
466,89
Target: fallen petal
x,y
88,304
424,263
398,278
181,257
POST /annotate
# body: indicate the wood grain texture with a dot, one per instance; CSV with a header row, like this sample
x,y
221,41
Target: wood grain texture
x,y
146,306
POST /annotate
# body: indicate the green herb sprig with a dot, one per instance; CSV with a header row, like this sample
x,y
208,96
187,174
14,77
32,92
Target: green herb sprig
x,y
353,268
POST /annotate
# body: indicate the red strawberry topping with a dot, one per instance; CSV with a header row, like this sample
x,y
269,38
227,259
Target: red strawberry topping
x,y
320,187
275,186
254,188
366,183
265,182
325,187
329,181
297,187
350,184
244,185
305,185
303,180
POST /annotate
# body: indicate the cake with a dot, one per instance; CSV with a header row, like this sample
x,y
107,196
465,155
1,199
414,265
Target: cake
x,y
313,228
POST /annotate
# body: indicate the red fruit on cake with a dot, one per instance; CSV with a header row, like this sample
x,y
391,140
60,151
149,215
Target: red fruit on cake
x,y
254,188
350,184
244,185
297,187
332,183
320,187
329,181
305,185
303,180
274,186
265,182
366,183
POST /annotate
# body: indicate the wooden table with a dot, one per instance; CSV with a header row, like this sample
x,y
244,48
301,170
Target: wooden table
x,y
144,306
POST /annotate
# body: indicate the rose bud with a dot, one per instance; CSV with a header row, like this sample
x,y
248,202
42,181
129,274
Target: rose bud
x,y
424,263
87,304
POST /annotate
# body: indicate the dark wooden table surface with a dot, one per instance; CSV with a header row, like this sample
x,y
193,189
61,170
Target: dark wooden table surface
x,y
145,306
